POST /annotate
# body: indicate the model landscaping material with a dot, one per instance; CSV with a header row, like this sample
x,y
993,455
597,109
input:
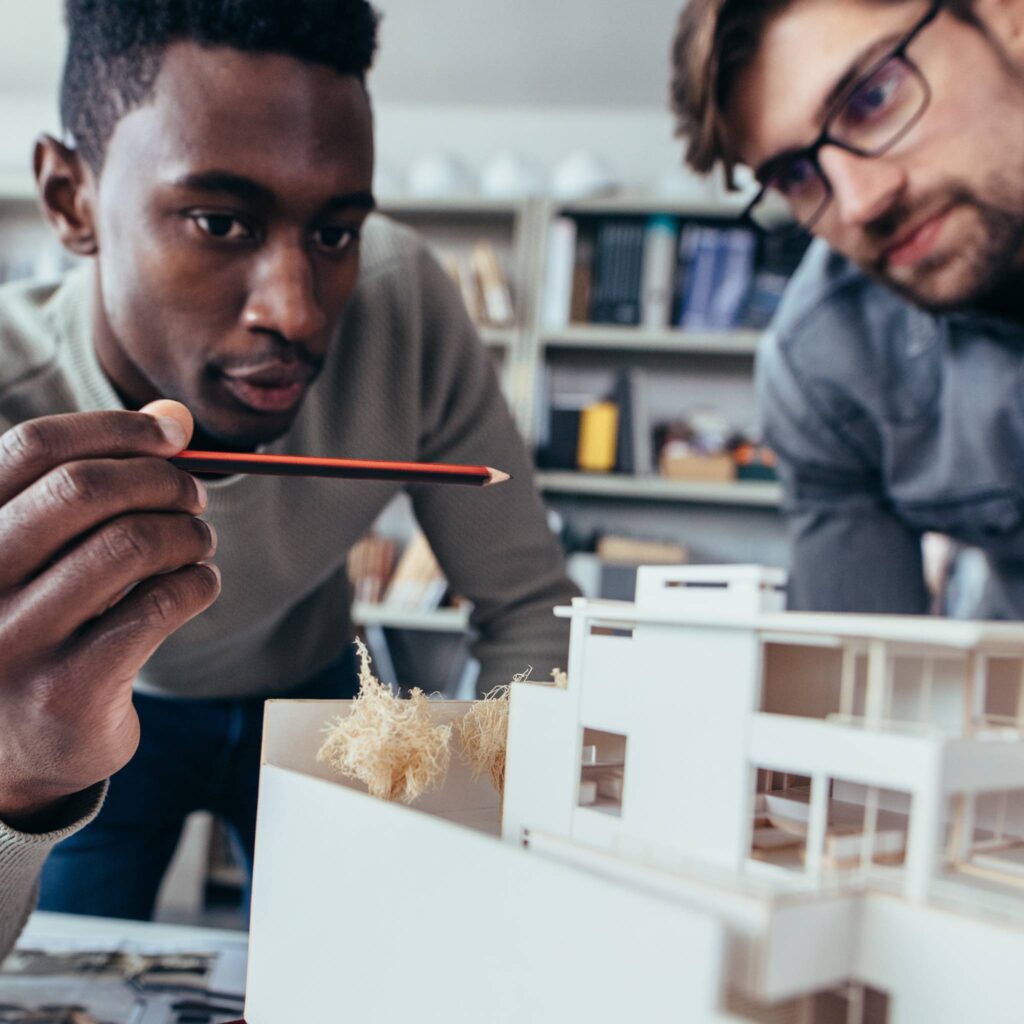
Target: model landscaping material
x,y
391,745
731,813
483,735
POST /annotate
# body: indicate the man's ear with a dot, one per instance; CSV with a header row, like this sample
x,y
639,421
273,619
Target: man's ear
x,y
66,191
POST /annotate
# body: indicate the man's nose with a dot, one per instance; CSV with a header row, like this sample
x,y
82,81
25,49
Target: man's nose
x,y
863,188
284,298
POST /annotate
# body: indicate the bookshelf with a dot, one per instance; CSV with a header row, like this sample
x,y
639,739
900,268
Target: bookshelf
x,y
453,226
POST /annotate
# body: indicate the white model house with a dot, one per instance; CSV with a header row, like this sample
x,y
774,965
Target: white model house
x,y
732,814
845,792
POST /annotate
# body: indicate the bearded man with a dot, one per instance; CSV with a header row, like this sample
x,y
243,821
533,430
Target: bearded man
x,y
892,382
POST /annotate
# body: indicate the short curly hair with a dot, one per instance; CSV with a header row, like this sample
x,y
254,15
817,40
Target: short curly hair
x,y
116,48
715,41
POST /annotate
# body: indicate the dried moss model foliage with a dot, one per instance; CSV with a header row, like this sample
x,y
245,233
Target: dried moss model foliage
x,y
483,733
388,743
483,730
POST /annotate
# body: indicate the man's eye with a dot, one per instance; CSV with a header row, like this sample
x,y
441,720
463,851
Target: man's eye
x,y
221,225
336,237
877,95
795,177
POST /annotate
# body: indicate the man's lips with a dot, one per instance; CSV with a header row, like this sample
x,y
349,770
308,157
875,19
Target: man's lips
x,y
268,387
914,246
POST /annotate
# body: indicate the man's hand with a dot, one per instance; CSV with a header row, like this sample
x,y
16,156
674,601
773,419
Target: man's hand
x,y
100,561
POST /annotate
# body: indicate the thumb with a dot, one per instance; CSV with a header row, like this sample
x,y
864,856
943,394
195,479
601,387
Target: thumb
x,y
165,408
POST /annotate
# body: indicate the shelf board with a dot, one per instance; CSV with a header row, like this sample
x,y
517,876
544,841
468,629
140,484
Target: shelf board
x,y
497,337
438,620
740,343
655,488
467,206
648,203
17,188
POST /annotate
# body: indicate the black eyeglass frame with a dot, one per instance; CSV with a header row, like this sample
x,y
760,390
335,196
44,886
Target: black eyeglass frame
x,y
811,152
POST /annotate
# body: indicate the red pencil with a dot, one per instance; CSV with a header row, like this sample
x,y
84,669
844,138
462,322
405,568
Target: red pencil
x,y
229,463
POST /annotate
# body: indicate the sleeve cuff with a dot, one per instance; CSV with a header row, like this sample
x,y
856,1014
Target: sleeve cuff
x,y
79,810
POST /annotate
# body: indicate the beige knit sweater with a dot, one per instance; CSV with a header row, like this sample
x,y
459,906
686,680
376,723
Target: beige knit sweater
x,y
406,379
22,856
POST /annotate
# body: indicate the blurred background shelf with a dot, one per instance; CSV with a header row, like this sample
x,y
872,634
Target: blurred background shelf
x,y
632,201
626,339
449,206
499,337
612,485
438,620
17,188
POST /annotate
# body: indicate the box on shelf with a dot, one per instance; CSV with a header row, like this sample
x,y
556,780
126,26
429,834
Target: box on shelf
x,y
684,465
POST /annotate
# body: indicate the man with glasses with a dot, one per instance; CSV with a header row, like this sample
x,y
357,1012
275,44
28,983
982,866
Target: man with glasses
x,y
892,383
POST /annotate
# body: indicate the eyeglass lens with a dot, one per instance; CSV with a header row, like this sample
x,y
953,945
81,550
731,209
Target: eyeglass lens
x,y
874,115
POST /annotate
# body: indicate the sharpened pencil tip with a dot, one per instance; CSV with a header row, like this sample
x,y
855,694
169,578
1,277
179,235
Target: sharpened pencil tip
x,y
497,477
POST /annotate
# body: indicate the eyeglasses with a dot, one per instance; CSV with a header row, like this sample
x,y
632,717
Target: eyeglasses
x,y
868,119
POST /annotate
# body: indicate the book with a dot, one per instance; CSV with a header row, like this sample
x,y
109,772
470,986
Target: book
x,y
633,445
643,454
417,584
734,278
558,281
582,273
461,273
562,444
622,396
618,269
660,235
685,260
776,263
482,283
706,272
493,286
370,565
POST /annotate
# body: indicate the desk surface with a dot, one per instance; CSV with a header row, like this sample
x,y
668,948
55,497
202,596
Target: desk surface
x,y
51,967
73,927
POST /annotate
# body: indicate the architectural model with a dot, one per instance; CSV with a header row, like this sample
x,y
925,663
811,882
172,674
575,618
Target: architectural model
x,y
730,814
845,792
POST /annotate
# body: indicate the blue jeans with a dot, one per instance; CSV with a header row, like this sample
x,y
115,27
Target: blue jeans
x,y
194,755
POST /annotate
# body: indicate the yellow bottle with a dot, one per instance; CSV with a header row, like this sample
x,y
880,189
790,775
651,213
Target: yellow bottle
x,y
599,432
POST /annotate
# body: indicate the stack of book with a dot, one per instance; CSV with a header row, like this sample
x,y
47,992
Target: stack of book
x,y
658,272
370,565
414,583
483,284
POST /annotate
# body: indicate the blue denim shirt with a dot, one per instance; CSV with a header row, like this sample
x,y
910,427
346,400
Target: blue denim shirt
x,y
890,421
